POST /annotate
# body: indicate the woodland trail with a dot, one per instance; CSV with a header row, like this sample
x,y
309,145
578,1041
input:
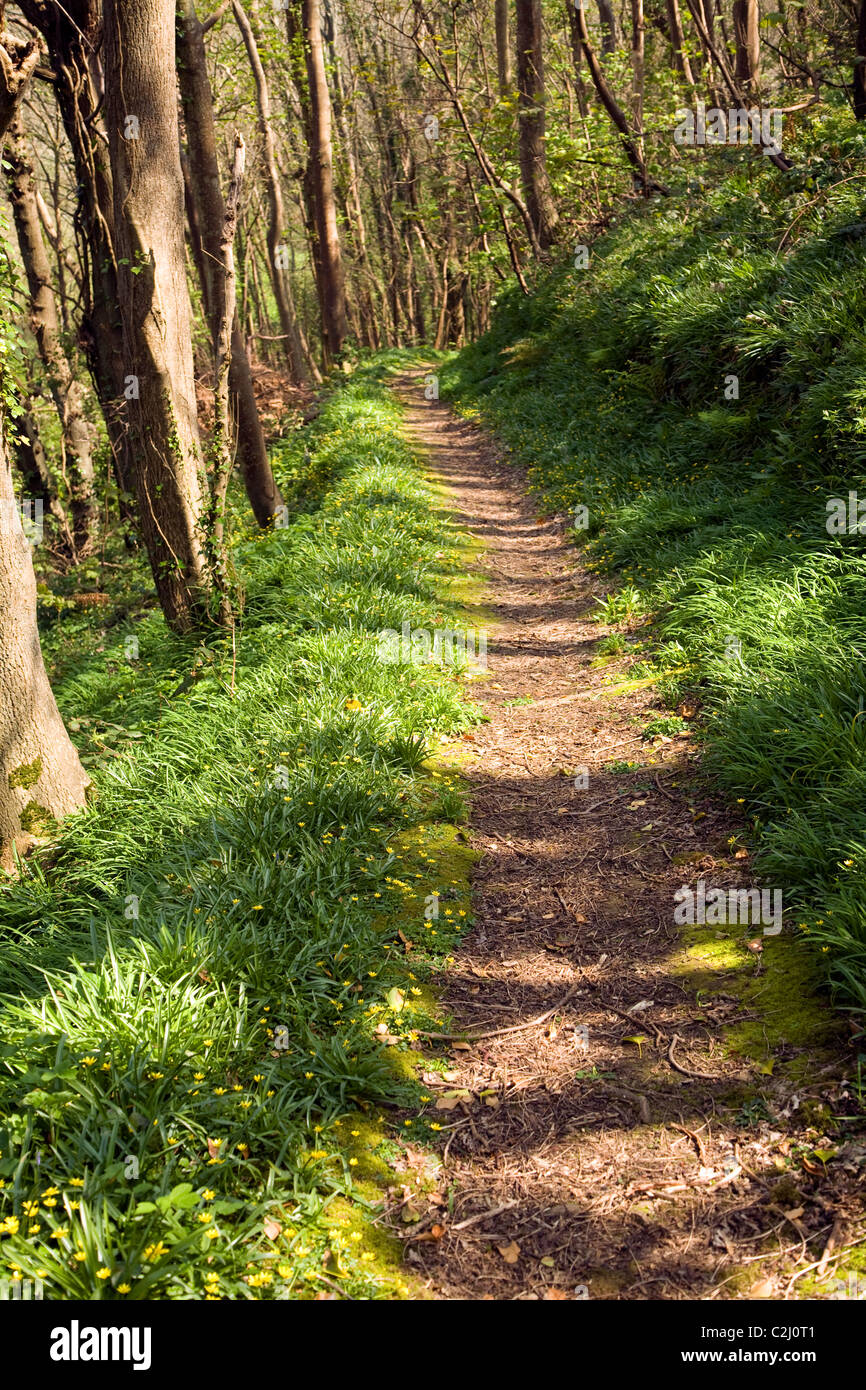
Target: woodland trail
x,y
667,1151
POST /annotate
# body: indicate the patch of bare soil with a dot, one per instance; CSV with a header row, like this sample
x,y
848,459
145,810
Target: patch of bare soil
x,y
599,1136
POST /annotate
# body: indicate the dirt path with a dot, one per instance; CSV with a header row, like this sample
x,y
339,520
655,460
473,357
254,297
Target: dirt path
x,y
633,1144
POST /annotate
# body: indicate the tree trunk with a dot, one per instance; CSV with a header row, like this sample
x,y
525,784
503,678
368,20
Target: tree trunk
x,y
206,197
638,35
609,27
675,27
576,56
295,348
530,87
41,777
223,335
503,48
747,39
66,392
859,84
154,301
354,214
73,34
333,290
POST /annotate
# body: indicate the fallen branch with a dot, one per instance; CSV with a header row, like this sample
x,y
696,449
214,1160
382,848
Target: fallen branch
x,y
497,1032
686,1071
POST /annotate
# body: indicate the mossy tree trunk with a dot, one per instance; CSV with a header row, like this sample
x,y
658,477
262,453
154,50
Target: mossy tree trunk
x,y
41,777
66,392
206,193
168,466
531,124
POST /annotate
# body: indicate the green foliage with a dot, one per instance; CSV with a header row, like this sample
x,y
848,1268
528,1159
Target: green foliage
x,y
609,386
195,977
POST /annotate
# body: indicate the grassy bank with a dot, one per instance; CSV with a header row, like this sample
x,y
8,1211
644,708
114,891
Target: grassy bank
x,y
207,999
700,388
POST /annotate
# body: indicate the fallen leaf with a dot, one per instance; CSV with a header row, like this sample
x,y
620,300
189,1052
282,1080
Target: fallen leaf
x,y
640,1006
272,1228
510,1253
551,1295
764,1288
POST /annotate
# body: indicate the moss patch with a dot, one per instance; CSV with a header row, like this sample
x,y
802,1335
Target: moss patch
x,y
791,1009
36,819
27,775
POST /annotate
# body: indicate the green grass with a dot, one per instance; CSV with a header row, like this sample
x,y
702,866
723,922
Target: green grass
x,y
194,972
708,513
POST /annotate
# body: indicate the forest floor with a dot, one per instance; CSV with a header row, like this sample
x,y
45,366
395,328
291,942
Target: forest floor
x,y
633,1109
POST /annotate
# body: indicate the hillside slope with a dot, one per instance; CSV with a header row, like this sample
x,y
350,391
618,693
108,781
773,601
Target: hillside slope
x,y
700,389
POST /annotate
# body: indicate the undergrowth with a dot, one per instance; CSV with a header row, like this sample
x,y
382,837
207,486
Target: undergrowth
x,y
198,972
700,389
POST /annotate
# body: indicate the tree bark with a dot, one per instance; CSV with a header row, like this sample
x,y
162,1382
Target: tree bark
x,y
333,290
205,193
576,56
66,392
154,301
675,28
294,345
859,82
503,48
18,59
533,158
41,777
222,346
73,34
609,27
747,70
638,36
